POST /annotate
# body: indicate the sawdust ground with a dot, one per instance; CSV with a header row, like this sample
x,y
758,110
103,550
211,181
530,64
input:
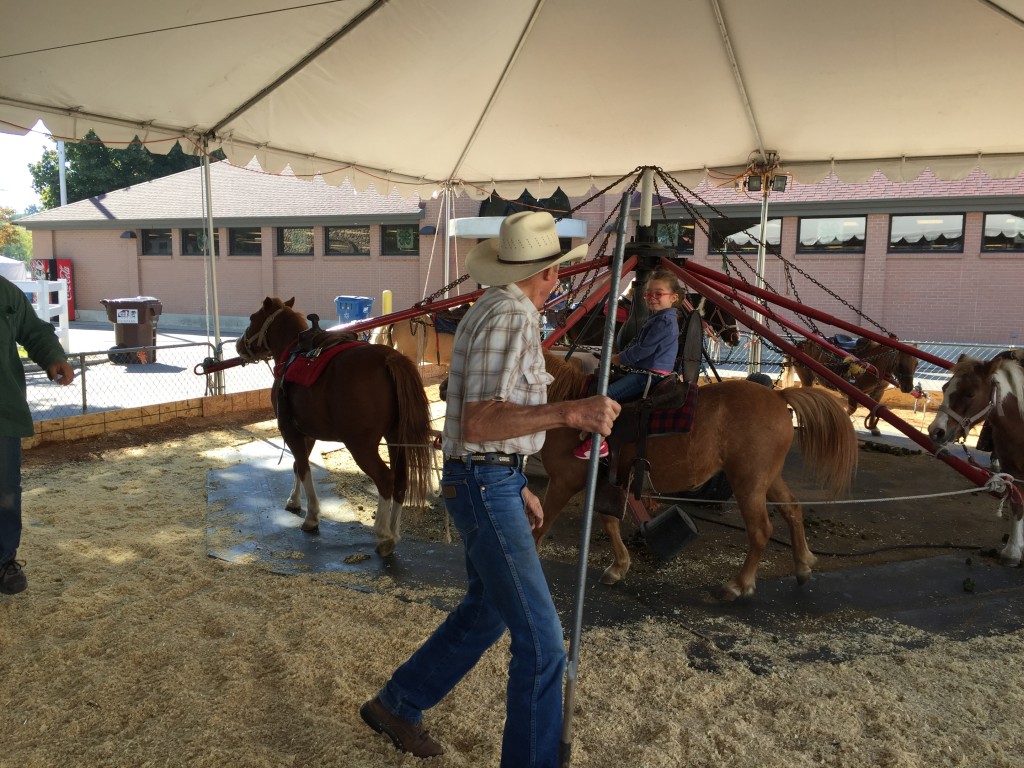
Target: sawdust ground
x,y
132,648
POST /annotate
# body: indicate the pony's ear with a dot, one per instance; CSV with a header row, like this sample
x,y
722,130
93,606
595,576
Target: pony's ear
x,y
268,303
290,302
993,365
961,358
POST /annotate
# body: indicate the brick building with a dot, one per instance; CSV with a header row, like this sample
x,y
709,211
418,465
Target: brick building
x,y
927,259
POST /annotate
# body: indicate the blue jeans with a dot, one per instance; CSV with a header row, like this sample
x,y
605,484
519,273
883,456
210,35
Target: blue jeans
x,y
10,497
506,588
630,387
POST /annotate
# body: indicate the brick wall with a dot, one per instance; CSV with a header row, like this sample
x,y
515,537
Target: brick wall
x,y
968,297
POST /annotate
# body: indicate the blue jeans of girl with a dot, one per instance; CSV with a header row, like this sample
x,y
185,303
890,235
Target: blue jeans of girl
x,y
506,589
630,386
10,497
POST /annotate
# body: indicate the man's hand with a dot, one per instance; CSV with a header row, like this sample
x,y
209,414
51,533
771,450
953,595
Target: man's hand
x,y
534,510
61,372
592,414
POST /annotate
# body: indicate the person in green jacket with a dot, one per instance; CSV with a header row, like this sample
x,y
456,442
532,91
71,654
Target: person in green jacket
x,y
19,325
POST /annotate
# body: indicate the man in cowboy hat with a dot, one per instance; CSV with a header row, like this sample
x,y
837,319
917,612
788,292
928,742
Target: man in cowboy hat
x,y
497,415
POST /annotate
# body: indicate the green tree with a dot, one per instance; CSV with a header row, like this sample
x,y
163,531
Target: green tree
x,y
95,169
15,241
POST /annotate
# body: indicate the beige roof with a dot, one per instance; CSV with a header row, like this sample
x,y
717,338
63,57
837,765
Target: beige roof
x,y
241,196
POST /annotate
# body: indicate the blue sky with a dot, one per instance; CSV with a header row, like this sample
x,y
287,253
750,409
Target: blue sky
x,y
16,152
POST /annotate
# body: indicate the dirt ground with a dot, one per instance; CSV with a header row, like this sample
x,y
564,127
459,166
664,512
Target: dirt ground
x,y
132,647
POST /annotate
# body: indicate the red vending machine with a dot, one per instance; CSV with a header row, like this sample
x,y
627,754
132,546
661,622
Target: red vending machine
x,y
56,269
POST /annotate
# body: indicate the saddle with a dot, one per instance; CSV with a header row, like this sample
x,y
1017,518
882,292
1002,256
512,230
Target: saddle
x,y
846,343
668,408
447,320
304,361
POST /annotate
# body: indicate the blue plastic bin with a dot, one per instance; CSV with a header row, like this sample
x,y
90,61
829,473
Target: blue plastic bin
x,y
353,308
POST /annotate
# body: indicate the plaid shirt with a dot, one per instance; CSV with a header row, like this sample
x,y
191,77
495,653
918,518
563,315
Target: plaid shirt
x,y
496,355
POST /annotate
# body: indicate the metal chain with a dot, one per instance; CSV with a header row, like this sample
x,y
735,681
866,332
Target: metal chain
x,y
440,292
788,265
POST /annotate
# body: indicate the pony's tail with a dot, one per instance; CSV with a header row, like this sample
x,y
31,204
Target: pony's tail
x,y
788,364
827,438
414,448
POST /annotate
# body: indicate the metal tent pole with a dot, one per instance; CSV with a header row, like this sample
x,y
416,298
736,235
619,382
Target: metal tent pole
x,y
212,249
572,667
754,357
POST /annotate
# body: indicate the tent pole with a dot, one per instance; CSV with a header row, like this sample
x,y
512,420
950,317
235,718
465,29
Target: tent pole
x,y
646,197
447,192
754,357
211,246
604,370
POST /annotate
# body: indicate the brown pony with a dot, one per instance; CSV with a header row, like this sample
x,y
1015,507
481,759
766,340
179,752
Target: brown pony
x,y
419,340
888,361
993,391
425,339
366,392
742,427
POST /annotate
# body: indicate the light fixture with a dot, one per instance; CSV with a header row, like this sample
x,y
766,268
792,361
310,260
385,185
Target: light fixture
x,y
430,229
753,183
128,235
779,183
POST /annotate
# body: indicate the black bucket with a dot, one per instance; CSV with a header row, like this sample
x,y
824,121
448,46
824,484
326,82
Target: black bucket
x,y
669,532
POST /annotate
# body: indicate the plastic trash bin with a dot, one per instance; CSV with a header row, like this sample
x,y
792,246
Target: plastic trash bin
x,y
353,308
135,320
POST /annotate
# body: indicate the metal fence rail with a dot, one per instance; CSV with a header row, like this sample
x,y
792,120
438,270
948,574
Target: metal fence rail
x,y
105,384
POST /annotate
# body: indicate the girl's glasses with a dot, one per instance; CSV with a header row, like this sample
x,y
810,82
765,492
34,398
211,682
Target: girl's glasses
x,y
658,294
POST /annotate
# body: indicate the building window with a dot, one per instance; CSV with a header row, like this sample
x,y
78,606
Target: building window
x,y
347,241
843,234
926,232
156,242
1003,232
245,241
400,240
295,241
675,234
742,235
193,242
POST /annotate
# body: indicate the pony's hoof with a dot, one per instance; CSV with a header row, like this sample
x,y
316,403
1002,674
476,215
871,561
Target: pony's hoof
x,y
293,510
1009,561
313,530
876,432
386,548
610,576
731,592
803,578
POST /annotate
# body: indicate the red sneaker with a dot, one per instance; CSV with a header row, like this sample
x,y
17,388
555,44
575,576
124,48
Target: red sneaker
x,y
582,450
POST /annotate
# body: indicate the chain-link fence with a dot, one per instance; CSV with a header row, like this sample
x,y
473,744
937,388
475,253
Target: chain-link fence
x,y
734,361
114,379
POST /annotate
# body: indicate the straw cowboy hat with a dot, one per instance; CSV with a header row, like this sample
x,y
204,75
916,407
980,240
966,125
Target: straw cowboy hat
x,y
527,243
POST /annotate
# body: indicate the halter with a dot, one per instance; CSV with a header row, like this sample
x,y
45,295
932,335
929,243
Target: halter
x,y
966,422
256,346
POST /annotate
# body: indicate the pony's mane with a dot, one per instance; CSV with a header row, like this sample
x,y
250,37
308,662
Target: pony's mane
x,y
1008,381
569,380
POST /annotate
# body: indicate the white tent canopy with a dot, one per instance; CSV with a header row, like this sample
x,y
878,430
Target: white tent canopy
x,y
533,93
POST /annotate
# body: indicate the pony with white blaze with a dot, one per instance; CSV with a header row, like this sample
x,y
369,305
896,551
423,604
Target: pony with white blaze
x,y
991,391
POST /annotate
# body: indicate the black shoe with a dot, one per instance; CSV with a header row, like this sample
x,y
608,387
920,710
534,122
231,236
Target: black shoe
x,y
406,736
12,578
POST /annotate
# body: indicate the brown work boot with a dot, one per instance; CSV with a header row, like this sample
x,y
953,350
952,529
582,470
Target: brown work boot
x,y
12,578
407,737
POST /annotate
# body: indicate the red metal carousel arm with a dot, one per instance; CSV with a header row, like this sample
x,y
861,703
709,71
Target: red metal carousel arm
x,y
977,475
589,303
710,274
